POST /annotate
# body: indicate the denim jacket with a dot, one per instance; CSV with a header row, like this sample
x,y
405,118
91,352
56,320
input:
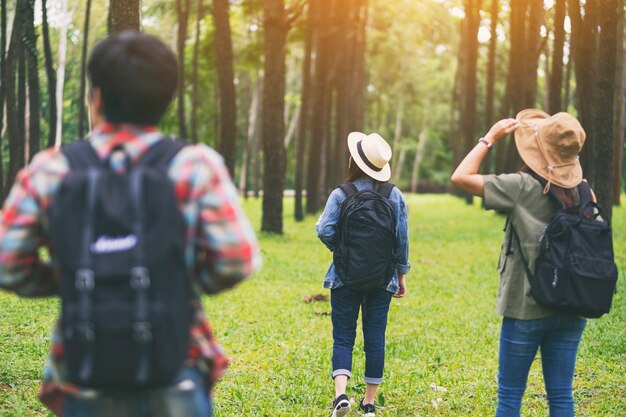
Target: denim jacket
x,y
327,232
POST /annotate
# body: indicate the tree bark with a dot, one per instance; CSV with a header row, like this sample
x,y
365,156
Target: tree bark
x,y
320,85
226,79
183,15
83,74
194,76
491,75
3,80
50,75
60,77
555,91
534,42
468,112
124,15
618,145
32,64
301,138
275,28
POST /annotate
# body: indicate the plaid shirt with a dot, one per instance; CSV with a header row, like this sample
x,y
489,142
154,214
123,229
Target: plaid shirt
x,y
221,246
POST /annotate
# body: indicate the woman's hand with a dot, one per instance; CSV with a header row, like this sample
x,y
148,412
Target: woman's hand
x,y
402,284
500,130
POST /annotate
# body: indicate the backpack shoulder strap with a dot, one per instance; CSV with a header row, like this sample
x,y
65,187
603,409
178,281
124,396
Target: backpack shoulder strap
x,y
161,153
81,155
349,188
384,189
584,190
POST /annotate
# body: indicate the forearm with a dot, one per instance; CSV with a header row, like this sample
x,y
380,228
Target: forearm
x,y
466,176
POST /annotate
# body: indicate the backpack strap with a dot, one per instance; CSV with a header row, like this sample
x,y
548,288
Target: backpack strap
x,y
161,153
586,196
81,155
384,189
349,189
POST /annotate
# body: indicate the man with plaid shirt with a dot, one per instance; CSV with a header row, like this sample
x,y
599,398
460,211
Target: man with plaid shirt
x,y
133,78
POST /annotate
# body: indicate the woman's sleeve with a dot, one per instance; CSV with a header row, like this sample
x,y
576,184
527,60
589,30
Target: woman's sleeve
x,y
404,265
326,226
502,192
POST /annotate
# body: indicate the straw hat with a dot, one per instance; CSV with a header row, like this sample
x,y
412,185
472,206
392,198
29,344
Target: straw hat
x,y
549,145
371,153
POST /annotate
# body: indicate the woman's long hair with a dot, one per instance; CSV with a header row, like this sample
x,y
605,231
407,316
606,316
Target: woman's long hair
x,y
356,173
566,197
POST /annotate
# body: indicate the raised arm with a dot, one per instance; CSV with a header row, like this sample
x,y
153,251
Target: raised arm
x,y
466,176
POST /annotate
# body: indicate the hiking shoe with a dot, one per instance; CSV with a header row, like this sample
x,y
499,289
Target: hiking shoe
x,y
341,408
368,409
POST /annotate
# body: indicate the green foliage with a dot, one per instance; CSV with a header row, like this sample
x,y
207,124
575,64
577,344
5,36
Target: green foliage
x,y
443,334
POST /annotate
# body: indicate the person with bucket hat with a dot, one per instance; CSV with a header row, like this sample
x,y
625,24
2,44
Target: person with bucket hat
x,y
367,181
549,181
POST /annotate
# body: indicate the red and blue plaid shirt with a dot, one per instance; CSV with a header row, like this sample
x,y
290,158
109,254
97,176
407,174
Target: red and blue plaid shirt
x,y
221,249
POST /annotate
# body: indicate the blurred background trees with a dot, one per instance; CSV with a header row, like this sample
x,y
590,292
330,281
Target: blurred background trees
x,y
277,85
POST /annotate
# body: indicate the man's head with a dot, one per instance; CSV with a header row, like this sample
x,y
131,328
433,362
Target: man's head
x,y
133,78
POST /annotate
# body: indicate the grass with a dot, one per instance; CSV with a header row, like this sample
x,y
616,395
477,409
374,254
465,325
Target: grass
x,y
445,332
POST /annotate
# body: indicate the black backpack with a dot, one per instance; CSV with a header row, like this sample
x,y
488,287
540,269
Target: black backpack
x,y
365,256
125,294
575,270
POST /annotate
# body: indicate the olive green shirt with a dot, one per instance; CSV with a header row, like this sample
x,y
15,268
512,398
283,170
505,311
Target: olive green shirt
x,y
521,198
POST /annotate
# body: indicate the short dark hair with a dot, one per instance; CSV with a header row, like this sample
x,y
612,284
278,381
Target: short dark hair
x,y
137,75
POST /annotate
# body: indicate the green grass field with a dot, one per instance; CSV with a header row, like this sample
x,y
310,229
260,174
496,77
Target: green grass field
x,y
445,332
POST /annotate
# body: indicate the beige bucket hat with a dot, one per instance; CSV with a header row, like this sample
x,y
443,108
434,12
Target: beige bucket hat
x,y
371,153
549,145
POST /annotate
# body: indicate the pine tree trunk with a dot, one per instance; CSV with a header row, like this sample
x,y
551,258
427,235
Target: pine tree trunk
x,y
275,28
556,74
3,80
491,75
60,77
468,113
301,138
226,79
534,42
124,15
32,64
194,76
50,75
618,145
611,39
183,14
320,85
82,123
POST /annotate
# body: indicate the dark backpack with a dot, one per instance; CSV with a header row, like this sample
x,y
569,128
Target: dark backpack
x,y
125,295
575,270
365,256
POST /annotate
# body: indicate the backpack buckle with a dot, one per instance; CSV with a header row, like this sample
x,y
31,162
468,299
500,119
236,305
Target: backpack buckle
x,y
142,332
139,278
84,280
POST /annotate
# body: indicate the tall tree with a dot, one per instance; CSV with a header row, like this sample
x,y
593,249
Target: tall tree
x,y
301,137
50,74
32,64
182,11
556,74
60,76
275,25
3,80
83,72
618,146
124,15
226,80
470,46
597,36
194,74
320,81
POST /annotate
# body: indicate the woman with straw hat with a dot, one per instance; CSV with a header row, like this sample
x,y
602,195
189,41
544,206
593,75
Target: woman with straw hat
x,y
549,181
368,170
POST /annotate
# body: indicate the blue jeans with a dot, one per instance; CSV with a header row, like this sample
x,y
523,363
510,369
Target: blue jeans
x,y
346,304
187,397
558,337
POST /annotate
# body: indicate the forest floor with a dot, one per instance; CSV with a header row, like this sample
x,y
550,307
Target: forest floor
x,y
442,339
